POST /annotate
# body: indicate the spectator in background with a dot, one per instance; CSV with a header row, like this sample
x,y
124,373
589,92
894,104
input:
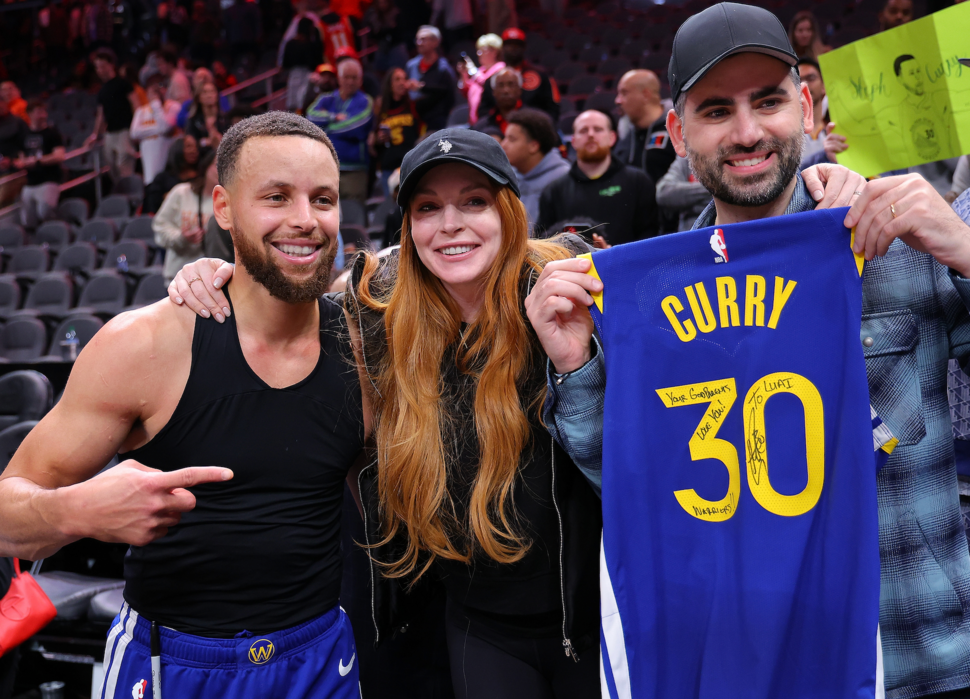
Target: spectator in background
x,y
382,19
371,85
243,25
602,188
506,86
647,146
206,120
679,191
224,80
431,81
200,77
489,49
179,86
457,19
204,32
182,166
302,12
811,75
97,25
41,156
17,105
530,144
895,13
128,71
302,55
961,179
539,90
321,82
804,36
398,125
501,14
117,103
338,35
347,116
180,223
13,130
154,127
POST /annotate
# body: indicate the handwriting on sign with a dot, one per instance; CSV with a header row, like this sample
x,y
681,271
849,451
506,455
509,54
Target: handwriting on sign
x,y
950,67
861,90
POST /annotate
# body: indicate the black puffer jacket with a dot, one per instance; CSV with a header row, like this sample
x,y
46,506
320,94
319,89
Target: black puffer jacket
x,y
578,511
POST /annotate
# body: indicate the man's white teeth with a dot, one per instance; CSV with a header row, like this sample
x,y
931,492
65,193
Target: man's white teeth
x,y
296,250
749,162
457,249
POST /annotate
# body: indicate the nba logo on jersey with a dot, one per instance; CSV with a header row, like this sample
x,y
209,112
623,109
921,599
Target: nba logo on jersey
x,y
737,453
719,246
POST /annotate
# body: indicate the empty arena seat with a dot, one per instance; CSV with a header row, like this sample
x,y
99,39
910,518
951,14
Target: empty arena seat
x,y
71,593
105,605
76,330
458,116
29,262
132,187
23,339
51,295
74,210
12,237
117,206
585,85
353,212
80,258
53,234
24,396
103,295
9,295
603,101
140,228
100,231
10,439
127,256
151,288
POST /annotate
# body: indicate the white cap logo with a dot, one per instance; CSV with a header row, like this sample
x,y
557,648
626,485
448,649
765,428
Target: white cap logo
x,y
445,146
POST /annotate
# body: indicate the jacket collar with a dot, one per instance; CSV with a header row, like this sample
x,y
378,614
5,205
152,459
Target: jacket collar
x,y
800,201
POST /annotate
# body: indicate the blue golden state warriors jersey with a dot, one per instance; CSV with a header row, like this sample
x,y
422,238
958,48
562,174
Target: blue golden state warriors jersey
x,y
740,536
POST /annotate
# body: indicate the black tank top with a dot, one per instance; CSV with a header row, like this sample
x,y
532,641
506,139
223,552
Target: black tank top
x,y
260,552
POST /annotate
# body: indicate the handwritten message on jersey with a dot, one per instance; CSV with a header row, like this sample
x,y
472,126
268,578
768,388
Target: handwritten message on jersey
x,y
901,97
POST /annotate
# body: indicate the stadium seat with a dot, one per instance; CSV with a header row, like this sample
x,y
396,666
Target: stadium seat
x,y
567,72
458,116
127,256
356,236
77,259
24,395
566,124
603,101
51,295
657,62
10,440
104,295
100,231
573,44
9,295
132,187
151,288
585,85
23,340
29,261
11,237
140,228
116,207
104,606
53,234
72,593
353,212
74,210
592,55
614,67
76,330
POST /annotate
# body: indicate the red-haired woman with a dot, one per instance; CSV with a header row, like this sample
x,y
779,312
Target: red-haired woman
x,y
469,487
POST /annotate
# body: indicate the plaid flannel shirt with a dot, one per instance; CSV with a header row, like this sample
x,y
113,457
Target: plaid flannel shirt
x,y
916,312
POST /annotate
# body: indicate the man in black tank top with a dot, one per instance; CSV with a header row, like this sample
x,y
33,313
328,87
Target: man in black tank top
x,y
238,438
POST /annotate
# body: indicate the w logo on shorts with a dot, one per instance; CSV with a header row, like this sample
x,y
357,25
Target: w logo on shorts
x,y
261,651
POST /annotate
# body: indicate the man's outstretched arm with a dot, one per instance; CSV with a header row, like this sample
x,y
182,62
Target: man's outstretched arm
x,y
120,386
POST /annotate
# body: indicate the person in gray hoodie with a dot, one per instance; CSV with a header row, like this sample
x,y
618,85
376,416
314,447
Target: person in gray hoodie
x,y
530,143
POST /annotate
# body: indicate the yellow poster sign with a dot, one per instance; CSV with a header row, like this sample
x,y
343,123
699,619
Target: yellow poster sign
x,y
902,97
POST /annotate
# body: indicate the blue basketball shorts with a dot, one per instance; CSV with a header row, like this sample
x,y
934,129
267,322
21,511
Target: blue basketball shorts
x,y
315,660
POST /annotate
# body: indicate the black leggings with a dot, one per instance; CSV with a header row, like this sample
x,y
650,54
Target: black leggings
x,y
524,668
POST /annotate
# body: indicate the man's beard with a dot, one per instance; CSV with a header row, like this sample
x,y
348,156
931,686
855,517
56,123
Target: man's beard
x,y
757,190
260,266
595,156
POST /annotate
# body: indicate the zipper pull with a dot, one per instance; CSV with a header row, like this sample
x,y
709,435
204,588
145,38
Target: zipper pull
x,y
570,651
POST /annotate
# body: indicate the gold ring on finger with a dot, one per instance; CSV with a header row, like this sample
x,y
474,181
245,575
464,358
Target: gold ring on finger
x,y
193,281
892,210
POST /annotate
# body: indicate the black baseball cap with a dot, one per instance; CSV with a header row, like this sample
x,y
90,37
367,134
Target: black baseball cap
x,y
455,146
723,30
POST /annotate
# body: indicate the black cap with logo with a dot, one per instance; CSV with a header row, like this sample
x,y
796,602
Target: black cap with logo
x,y
455,146
723,30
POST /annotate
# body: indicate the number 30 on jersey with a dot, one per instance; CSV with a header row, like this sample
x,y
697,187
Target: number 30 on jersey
x,y
704,444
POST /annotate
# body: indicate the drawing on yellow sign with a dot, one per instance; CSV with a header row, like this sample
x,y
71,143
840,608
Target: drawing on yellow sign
x,y
902,97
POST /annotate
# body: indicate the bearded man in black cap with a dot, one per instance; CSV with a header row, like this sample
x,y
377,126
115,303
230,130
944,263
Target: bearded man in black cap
x,y
740,115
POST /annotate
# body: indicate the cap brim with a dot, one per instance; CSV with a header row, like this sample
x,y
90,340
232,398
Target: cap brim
x,y
411,181
747,48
